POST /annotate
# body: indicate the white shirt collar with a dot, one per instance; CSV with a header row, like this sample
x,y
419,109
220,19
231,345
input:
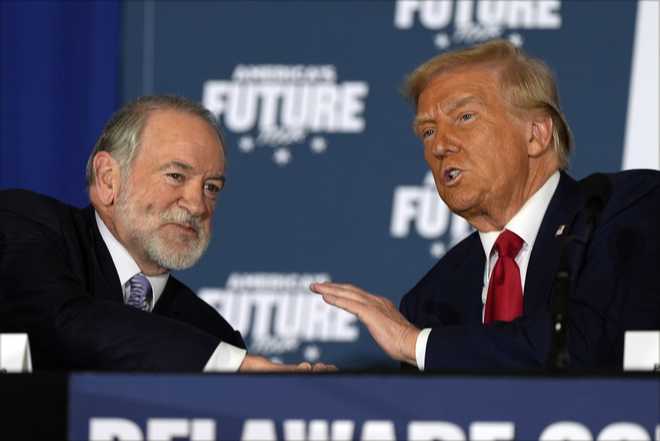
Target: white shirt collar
x,y
527,221
125,264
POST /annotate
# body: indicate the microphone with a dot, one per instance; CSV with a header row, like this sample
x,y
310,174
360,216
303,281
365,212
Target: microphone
x,y
596,190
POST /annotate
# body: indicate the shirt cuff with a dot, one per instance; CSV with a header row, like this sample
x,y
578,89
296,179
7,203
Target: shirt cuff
x,y
420,347
225,358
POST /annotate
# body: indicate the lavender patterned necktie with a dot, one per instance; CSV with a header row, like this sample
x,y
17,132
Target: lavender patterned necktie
x,y
139,295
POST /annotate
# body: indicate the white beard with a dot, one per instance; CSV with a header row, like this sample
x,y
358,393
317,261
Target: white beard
x,y
143,231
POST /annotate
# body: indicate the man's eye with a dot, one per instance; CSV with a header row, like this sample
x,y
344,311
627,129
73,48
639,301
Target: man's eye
x,y
178,177
212,189
465,117
427,132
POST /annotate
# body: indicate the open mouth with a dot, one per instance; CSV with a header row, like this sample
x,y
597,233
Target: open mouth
x,y
452,175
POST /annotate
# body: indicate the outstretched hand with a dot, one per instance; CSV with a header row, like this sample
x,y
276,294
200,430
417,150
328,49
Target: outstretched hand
x,y
256,363
392,332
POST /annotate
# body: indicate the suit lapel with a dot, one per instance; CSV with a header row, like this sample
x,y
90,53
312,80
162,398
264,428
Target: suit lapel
x,y
544,260
104,282
471,263
166,303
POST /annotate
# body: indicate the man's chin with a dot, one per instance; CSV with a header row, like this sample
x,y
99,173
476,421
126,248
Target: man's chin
x,y
177,262
175,255
463,207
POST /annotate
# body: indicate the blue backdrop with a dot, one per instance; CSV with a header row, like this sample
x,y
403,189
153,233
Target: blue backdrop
x,y
325,178
59,75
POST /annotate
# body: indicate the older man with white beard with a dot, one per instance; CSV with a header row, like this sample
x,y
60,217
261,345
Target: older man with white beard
x,y
92,287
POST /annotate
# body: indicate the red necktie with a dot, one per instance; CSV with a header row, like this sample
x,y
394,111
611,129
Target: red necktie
x,y
504,301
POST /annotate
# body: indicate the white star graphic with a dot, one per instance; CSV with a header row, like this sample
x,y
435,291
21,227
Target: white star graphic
x,y
312,353
318,144
442,41
516,39
246,144
282,156
437,249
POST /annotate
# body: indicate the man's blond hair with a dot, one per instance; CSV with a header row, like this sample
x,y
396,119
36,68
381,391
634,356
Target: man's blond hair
x,y
526,83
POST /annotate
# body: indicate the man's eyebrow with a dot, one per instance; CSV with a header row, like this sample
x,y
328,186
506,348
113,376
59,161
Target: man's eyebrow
x,y
217,178
453,105
177,164
448,108
421,119
187,167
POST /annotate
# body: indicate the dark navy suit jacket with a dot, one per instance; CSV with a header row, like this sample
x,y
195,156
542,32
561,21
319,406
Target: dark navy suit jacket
x,y
616,289
58,283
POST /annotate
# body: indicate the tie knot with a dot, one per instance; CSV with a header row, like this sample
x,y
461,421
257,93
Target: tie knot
x,y
140,292
139,281
508,244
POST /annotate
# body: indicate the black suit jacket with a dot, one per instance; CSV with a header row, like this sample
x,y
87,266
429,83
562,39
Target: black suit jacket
x,y
58,283
616,289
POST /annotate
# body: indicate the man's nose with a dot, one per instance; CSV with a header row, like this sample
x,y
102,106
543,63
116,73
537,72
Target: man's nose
x,y
439,150
444,145
193,200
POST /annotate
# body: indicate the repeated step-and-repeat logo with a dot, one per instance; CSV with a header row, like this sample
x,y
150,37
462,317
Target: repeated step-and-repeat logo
x,y
277,314
276,107
417,209
458,22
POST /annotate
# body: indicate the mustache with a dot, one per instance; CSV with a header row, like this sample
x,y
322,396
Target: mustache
x,y
182,217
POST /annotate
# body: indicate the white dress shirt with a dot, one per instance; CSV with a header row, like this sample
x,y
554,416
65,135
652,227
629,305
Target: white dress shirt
x,y
225,358
525,224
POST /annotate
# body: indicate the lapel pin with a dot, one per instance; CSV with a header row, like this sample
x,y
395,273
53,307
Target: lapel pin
x,y
560,230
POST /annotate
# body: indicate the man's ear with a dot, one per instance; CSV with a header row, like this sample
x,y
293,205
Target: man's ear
x,y
540,135
108,175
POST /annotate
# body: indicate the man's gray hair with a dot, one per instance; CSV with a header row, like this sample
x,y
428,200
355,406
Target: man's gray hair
x,y
121,135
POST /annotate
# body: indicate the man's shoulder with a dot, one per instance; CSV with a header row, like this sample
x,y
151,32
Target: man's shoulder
x,y
34,207
629,188
17,198
631,182
24,210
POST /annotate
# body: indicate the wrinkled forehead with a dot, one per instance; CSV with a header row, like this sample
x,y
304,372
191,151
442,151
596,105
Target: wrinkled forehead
x,y
171,136
180,126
